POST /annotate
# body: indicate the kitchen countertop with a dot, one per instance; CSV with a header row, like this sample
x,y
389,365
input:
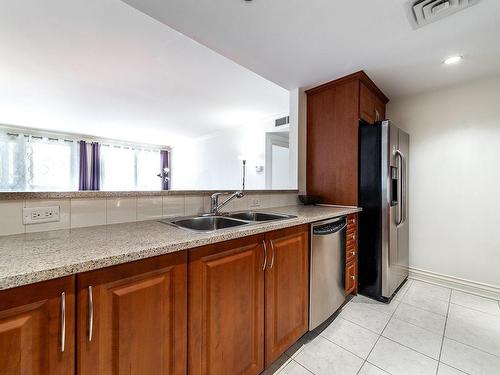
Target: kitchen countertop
x,y
34,257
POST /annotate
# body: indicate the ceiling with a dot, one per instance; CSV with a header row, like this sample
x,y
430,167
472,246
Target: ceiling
x,y
297,43
102,68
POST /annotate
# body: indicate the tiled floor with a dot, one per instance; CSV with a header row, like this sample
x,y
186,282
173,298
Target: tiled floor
x,y
426,329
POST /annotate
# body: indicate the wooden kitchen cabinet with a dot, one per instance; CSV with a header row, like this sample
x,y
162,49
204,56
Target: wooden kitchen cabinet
x,y
248,301
37,328
351,268
132,318
333,114
226,307
286,289
371,106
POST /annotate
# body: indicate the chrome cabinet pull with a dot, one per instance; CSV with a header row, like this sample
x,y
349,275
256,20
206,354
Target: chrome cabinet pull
x,y
272,258
264,263
63,321
91,313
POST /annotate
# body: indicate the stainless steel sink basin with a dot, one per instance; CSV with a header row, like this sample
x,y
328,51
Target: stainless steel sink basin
x,y
206,223
258,216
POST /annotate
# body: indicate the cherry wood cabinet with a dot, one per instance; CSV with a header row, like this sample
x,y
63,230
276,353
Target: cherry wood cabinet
x,y
226,307
248,301
333,113
351,270
286,289
371,106
132,318
37,328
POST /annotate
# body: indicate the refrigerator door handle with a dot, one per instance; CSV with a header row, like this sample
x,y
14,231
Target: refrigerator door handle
x,y
402,187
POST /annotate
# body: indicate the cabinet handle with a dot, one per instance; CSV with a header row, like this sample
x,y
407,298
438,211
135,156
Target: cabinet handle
x,y
264,263
353,253
91,313
353,277
63,321
354,237
272,258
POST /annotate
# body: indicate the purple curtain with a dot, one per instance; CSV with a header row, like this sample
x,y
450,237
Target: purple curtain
x,y
165,182
95,167
83,179
89,176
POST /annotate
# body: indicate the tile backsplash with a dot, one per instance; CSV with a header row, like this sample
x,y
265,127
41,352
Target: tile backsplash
x,y
86,212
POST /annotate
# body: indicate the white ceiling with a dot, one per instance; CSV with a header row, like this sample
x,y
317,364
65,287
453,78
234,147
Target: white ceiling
x,y
300,43
102,68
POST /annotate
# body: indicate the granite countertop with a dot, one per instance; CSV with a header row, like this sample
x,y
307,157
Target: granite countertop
x,y
34,257
19,195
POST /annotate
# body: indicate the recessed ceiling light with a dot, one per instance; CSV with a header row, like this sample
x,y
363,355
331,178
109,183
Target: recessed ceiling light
x,y
452,60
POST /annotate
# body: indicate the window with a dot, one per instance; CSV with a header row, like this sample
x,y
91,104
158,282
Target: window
x,y
29,163
124,168
47,163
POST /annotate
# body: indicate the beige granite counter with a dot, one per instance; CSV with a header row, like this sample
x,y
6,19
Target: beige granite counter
x,y
34,257
19,195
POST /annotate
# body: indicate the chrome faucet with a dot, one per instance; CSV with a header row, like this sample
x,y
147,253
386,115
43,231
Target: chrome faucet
x,y
215,206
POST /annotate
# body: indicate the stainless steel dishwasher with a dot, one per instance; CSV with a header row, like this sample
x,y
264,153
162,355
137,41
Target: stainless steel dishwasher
x,y
327,269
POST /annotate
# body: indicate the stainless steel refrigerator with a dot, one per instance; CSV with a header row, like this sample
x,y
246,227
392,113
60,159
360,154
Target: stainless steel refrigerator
x,y
383,224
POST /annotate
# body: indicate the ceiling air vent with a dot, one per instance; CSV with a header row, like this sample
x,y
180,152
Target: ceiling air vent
x,y
423,12
282,121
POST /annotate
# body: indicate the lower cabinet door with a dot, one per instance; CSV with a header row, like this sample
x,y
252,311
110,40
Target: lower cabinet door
x,y
226,308
132,318
37,328
287,289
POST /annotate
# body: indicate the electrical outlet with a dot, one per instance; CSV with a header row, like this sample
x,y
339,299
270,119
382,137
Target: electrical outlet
x,y
35,215
255,202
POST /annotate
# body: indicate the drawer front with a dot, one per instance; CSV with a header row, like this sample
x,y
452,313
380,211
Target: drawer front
x,y
351,273
351,254
352,220
351,237
350,278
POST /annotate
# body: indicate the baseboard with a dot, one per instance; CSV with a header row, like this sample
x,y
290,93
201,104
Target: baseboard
x,y
473,287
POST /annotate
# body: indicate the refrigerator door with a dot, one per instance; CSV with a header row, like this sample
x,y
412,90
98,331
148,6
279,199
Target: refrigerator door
x,y
395,249
403,229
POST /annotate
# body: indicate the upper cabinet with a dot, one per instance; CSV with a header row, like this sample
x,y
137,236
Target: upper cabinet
x,y
132,318
371,105
333,114
37,328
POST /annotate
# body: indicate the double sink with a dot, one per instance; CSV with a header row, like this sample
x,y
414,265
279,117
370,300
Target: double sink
x,y
210,223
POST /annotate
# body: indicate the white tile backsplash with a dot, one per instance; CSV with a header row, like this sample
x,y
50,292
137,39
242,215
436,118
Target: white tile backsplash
x,y
193,205
121,210
64,215
85,212
88,212
237,204
173,206
11,219
149,208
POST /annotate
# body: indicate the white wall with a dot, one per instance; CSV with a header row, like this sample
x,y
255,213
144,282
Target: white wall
x,y
214,161
454,179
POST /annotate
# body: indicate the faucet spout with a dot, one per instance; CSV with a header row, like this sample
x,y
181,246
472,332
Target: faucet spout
x,y
215,206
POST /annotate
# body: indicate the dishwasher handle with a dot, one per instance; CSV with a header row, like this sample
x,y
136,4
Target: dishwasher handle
x,y
330,228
